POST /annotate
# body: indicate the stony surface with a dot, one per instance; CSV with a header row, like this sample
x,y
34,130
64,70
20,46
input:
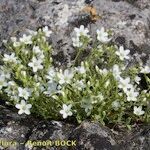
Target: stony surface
x,y
138,140
54,131
25,130
93,136
129,20
130,23
14,127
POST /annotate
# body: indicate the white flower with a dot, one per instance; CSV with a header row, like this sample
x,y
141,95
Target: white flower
x,y
26,39
47,31
4,41
100,48
123,54
40,56
5,72
87,105
116,105
66,111
35,64
145,69
15,43
37,78
138,111
33,33
11,88
81,31
13,39
81,69
25,51
76,42
24,93
116,72
137,79
102,36
51,73
101,71
132,95
52,88
23,107
125,84
65,77
100,97
10,58
12,91
36,49
79,85
3,82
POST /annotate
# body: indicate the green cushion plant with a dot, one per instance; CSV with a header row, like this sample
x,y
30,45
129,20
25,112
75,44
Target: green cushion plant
x,y
101,87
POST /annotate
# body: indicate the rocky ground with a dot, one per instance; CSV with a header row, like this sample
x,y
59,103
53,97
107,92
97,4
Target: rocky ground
x,y
130,22
23,131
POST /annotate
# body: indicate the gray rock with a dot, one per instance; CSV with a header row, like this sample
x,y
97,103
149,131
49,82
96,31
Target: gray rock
x,y
137,140
23,130
93,136
16,17
52,132
14,129
29,133
129,21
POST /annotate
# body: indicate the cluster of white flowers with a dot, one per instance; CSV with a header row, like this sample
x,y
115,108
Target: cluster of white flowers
x,y
128,88
37,60
102,36
26,39
21,95
81,31
125,83
24,94
33,77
